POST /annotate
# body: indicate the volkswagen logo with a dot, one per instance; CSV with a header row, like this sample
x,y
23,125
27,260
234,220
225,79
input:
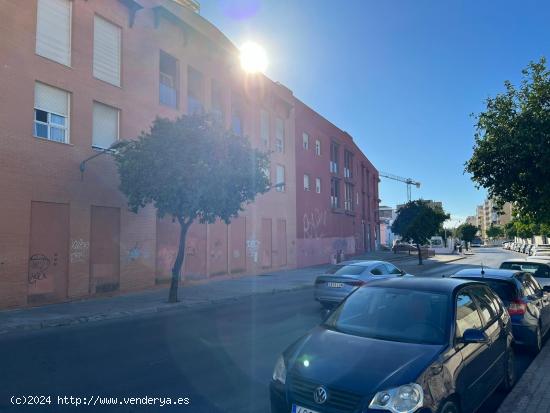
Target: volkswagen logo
x,y
320,395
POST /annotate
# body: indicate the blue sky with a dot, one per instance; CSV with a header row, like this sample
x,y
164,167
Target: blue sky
x,y
401,76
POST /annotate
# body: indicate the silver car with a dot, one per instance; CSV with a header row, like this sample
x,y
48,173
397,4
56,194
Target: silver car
x,y
540,269
342,279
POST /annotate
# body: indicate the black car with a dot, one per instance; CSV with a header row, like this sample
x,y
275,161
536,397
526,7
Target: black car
x,y
527,302
400,345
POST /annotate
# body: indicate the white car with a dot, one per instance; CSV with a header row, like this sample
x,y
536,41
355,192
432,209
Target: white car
x,y
540,269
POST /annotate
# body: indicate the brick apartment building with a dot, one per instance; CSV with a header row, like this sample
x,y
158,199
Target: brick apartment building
x,y
336,205
77,75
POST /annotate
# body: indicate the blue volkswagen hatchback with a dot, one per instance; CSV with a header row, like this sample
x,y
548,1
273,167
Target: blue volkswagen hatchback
x,y
400,345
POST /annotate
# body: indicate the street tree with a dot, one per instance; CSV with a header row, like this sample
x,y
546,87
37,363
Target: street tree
x,y
510,230
417,222
191,170
512,145
467,233
495,231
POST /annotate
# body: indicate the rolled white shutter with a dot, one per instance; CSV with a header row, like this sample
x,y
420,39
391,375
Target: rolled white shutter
x,y
53,30
51,99
105,125
107,51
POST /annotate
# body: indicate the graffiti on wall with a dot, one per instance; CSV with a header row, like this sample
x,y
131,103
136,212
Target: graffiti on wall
x,y
135,252
38,267
80,250
314,223
252,248
217,250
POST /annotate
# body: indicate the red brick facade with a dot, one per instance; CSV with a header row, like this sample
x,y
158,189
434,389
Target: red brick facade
x,y
327,221
65,235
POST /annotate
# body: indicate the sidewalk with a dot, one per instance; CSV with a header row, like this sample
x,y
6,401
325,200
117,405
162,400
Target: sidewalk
x,y
190,295
530,394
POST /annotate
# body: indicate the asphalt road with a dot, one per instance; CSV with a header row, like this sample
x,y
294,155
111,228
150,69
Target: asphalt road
x,y
220,357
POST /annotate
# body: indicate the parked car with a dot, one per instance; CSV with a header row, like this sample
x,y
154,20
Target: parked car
x,y
540,269
527,302
342,279
400,345
541,253
529,249
540,248
476,242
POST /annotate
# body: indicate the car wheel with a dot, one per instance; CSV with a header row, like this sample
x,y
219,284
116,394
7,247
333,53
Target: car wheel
x,y
537,344
509,372
449,407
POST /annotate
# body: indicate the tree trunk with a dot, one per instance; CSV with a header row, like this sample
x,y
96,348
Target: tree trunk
x,y
178,264
419,254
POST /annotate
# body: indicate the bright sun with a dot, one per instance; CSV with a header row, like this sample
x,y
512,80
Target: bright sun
x,y
253,58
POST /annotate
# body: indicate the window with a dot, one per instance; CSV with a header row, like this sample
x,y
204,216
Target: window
x,y
51,113
194,91
107,51
306,182
379,270
334,158
348,164
280,178
318,185
335,193
53,30
105,125
485,303
466,314
348,196
305,141
317,147
217,101
371,312
357,197
280,135
264,127
342,269
168,80
237,114
392,269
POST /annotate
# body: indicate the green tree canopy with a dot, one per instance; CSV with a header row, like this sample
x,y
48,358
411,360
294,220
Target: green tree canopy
x,y
495,231
510,230
512,145
417,222
467,232
190,169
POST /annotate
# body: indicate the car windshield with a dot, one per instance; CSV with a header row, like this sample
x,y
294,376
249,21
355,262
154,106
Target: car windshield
x,y
393,314
346,270
535,268
504,289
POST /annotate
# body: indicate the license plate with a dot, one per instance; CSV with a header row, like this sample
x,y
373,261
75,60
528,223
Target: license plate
x,y
300,409
335,285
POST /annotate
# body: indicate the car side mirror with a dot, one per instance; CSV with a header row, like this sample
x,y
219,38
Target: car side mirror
x,y
402,272
473,335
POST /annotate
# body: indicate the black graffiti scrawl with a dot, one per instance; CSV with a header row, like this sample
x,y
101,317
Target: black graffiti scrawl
x,y
38,265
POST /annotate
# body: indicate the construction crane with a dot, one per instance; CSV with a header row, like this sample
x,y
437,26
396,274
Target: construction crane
x,y
407,181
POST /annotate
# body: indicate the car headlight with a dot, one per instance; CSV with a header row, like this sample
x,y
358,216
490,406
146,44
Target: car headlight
x,y
403,399
279,373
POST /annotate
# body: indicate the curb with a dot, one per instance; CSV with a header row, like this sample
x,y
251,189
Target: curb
x,y
160,308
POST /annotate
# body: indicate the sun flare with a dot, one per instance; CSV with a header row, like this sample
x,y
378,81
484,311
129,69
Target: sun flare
x,y
253,58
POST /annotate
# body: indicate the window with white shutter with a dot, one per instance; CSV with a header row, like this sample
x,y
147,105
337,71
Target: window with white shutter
x,y
51,113
105,126
53,30
107,51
